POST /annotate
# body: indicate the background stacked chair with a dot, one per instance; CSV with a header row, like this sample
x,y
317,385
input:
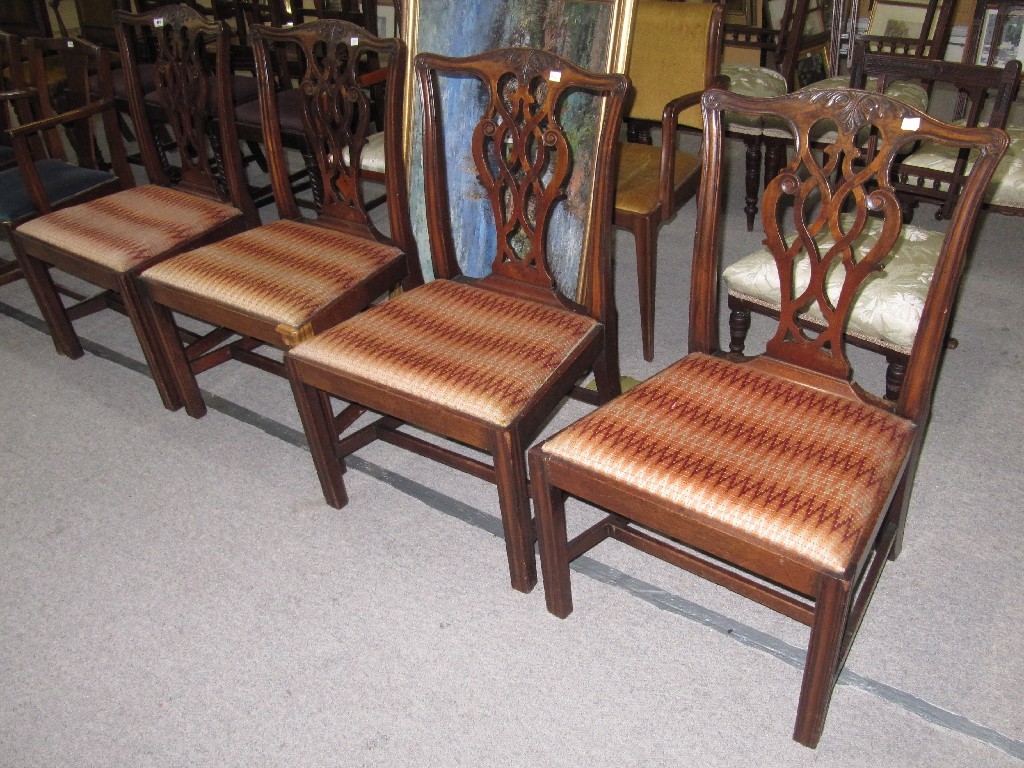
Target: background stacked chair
x,y
485,362
668,79
53,160
885,315
288,280
777,477
993,39
110,241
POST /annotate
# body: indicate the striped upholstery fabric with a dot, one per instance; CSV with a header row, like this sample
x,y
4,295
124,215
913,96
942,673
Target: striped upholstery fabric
x,y
458,346
284,272
127,229
752,453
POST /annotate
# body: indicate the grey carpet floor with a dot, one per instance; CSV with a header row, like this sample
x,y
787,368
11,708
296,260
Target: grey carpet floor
x,y
176,593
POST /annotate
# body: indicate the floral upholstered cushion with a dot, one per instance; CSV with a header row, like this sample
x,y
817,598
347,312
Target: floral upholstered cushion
x,y
460,347
372,157
1007,185
889,305
747,80
756,456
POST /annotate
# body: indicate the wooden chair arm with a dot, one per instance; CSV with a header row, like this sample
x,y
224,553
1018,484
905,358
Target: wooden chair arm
x,y
669,122
71,116
17,93
375,77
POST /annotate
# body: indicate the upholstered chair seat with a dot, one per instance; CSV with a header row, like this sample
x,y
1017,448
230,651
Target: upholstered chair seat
x,y
289,111
751,81
7,157
1007,187
497,355
244,89
636,183
123,231
812,489
287,274
61,181
887,309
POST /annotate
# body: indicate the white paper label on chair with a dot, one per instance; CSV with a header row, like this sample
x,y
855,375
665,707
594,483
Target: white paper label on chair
x,y
158,22
354,41
911,123
555,76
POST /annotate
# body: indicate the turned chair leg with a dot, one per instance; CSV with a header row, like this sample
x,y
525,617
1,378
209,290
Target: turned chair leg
x,y
895,372
739,325
753,178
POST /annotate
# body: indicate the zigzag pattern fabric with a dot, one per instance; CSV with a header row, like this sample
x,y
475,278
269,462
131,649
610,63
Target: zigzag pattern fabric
x,y
284,272
456,346
123,230
767,459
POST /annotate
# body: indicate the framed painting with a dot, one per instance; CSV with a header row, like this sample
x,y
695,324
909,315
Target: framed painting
x,y
812,67
590,33
998,51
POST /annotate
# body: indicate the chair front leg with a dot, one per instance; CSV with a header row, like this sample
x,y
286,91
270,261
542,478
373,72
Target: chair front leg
x,y
62,332
165,332
142,321
514,501
551,530
752,178
821,669
318,423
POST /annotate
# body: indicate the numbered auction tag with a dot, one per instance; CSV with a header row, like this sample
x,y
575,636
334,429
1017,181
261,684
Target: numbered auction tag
x,y
354,41
911,123
158,22
555,76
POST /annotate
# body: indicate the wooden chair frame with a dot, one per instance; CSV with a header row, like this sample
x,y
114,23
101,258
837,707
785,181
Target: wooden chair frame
x,y
832,600
522,275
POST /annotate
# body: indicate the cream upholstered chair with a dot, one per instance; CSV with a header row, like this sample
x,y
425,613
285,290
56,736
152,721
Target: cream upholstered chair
x,y
485,362
886,313
110,241
777,476
995,22
668,77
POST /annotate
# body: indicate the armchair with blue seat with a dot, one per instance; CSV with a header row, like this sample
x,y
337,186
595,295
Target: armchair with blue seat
x,y
41,174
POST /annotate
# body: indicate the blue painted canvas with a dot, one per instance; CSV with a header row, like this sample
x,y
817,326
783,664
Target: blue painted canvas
x,y
579,30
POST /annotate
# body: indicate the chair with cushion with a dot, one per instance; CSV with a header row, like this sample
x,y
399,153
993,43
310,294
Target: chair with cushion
x,y
54,151
110,241
885,314
654,182
993,39
288,280
791,30
485,362
777,476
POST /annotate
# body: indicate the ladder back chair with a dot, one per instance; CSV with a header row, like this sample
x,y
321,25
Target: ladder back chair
x,y
288,280
653,182
777,476
109,242
485,362
884,316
